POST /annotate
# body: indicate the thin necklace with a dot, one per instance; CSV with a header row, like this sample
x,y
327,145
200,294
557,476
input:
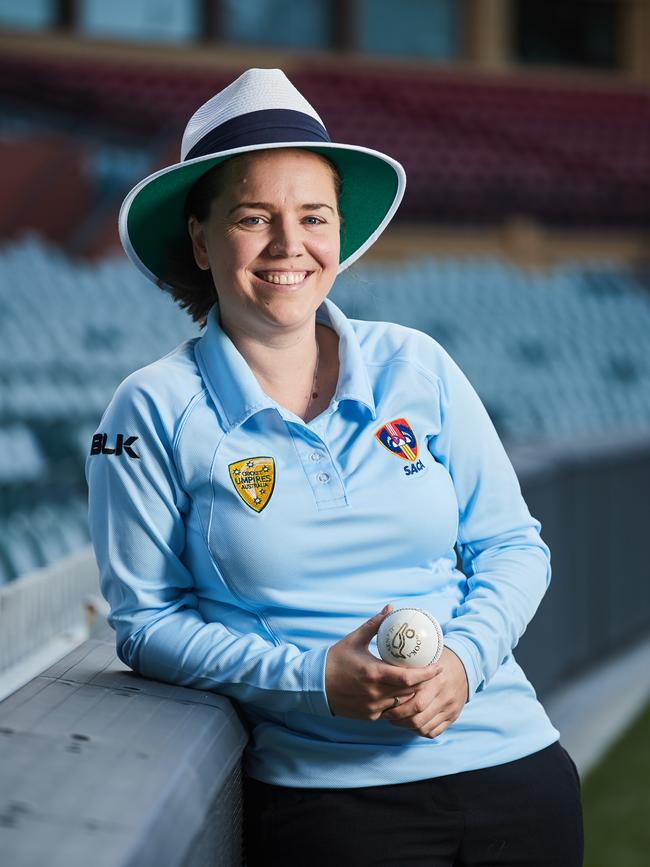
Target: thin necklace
x,y
313,394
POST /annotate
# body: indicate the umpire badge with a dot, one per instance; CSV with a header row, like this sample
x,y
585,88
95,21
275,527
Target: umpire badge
x,y
254,480
397,436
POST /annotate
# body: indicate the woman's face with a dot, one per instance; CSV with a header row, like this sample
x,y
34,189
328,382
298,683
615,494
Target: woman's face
x,y
271,241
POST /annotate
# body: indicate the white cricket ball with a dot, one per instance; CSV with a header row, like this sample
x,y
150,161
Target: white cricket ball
x,y
411,637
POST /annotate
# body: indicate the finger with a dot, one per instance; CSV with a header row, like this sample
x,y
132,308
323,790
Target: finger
x,y
416,710
428,726
437,729
363,635
423,725
389,705
405,710
400,677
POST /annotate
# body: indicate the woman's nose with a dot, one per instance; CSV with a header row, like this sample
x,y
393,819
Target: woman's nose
x,y
286,240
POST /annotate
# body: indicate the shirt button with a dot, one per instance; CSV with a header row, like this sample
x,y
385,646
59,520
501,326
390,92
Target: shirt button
x,y
323,477
315,457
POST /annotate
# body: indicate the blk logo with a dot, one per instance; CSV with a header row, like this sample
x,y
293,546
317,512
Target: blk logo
x,y
99,447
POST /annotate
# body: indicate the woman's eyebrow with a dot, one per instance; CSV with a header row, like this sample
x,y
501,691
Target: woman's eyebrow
x,y
311,206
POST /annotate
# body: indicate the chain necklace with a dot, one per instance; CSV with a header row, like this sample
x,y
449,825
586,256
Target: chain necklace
x,y
313,394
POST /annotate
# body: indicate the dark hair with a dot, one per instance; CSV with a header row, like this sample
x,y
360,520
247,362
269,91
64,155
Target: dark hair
x,y
193,289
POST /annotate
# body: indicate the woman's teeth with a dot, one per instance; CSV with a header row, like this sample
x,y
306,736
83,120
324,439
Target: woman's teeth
x,y
286,278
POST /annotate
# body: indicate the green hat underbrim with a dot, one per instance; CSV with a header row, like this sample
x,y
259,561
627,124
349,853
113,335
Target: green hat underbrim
x,y
153,226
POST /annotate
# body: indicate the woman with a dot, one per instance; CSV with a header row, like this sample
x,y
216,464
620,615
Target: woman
x,y
291,477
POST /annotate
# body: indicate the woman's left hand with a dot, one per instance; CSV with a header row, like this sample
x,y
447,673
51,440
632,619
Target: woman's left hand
x,y
437,703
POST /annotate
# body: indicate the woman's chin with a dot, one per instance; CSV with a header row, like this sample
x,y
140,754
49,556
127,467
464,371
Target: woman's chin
x,y
289,316
289,304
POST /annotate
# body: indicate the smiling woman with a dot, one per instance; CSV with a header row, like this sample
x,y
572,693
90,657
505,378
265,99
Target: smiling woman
x,y
251,547
273,258
272,255
211,186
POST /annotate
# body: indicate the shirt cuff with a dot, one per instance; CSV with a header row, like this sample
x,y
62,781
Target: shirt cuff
x,y
466,652
314,681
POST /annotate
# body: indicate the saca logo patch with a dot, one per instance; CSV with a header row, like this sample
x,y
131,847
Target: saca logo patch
x,y
398,437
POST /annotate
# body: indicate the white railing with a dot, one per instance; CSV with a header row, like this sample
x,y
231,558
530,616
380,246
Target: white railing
x,y
44,615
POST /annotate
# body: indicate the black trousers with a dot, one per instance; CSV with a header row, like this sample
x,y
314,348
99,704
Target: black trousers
x,y
521,813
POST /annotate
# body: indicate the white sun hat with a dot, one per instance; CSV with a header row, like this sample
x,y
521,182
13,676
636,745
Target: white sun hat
x,y
261,109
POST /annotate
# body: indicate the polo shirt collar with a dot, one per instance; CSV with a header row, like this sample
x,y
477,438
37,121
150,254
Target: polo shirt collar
x,y
237,394
353,381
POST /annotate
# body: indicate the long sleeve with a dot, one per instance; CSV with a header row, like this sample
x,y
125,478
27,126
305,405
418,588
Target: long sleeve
x,y
505,560
136,518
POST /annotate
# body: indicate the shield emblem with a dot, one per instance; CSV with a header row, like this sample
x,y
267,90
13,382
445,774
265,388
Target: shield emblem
x,y
254,480
397,436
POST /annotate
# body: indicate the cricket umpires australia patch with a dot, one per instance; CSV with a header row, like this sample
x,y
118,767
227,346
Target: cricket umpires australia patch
x,y
254,480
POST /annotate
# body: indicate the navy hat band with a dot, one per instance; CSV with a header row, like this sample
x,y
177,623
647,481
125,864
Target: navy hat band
x,y
260,127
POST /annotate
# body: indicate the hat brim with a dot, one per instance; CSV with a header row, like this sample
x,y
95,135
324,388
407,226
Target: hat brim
x,y
154,233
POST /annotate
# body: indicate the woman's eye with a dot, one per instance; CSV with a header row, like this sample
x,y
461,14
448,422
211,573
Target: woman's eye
x,y
256,221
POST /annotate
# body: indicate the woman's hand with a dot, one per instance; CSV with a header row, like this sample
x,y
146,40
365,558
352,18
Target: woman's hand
x,y
436,703
360,686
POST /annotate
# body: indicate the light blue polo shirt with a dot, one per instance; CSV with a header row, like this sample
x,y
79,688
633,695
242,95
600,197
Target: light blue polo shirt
x,y
237,543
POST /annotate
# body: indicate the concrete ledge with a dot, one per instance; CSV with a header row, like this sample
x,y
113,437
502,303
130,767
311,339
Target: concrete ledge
x,y
102,766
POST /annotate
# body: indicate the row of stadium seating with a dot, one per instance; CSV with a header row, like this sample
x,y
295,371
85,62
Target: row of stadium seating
x,y
21,457
30,539
76,321
554,354
71,332
474,150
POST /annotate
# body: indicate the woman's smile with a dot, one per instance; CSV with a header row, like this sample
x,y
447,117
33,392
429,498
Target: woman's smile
x,y
289,279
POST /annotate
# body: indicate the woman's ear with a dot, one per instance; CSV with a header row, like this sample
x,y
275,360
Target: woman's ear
x,y
199,248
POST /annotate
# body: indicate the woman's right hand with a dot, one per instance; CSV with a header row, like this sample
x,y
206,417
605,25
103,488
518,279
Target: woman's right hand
x,y
360,686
